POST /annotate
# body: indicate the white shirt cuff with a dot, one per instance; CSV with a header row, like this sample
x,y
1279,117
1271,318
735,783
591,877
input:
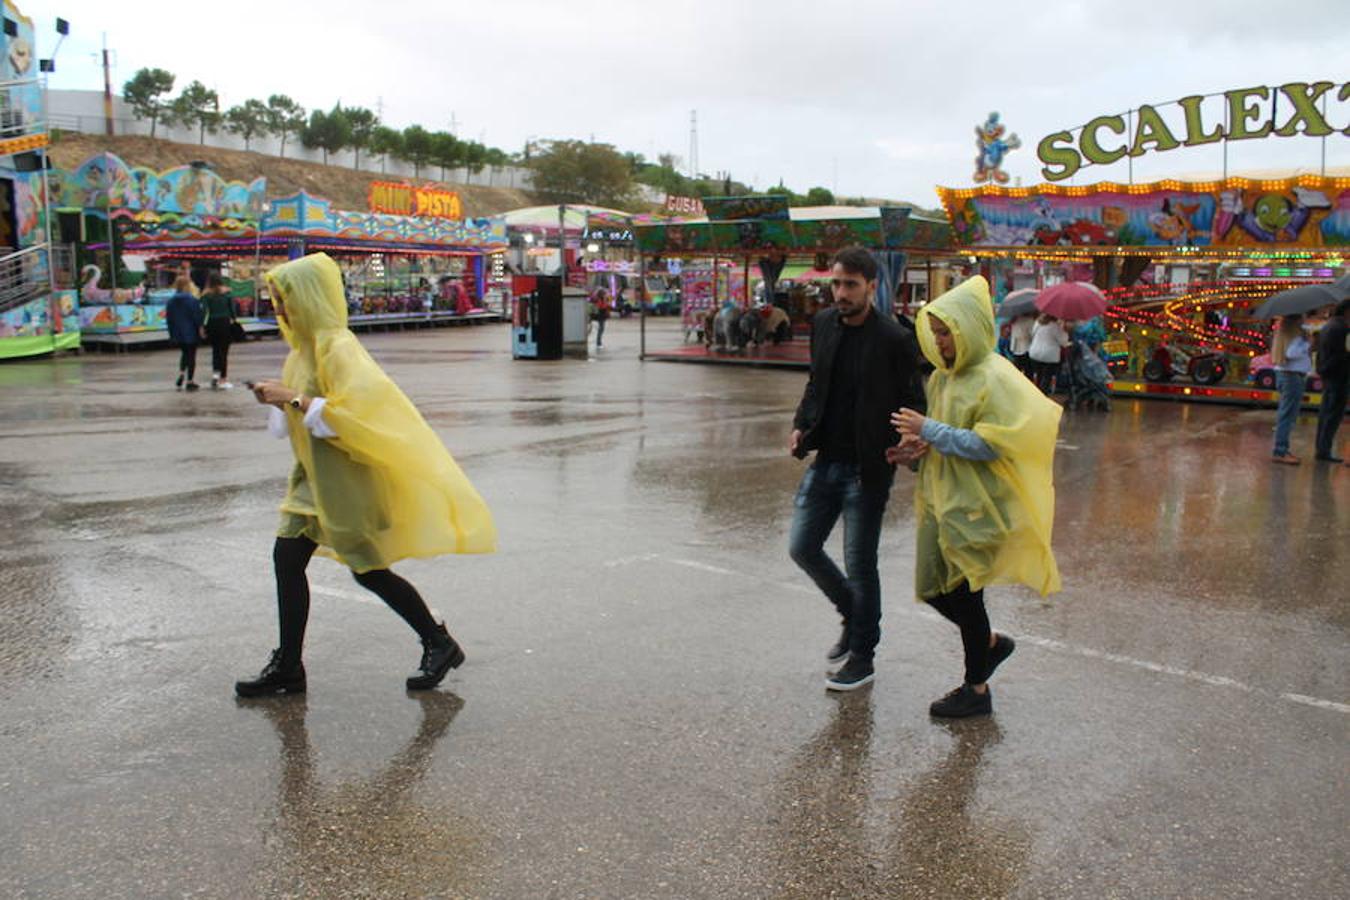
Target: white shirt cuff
x,y
314,419
276,423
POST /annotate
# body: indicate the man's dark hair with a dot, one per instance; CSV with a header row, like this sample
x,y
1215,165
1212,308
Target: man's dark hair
x,y
213,280
857,261
1343,307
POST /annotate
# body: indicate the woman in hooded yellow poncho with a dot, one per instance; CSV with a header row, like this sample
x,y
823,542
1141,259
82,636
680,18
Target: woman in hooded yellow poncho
x,y
372,483
985,497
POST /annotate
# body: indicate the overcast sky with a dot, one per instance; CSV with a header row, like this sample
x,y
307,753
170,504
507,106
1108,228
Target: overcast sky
x,y
866,98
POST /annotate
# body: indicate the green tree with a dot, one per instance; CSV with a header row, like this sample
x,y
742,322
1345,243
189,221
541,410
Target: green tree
x,y
818,196
447,151
582,172
329,131
143,93
384,143
418,146
284,118
475,156
197,106
363,123
248,119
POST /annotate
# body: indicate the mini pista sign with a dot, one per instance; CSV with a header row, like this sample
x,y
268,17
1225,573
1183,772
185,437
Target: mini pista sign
x,y
1249,113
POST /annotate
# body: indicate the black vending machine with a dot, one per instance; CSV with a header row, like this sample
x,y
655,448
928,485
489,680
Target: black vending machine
x,y
537,321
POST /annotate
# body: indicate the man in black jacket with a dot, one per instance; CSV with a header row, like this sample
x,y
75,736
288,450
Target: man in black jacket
x,y
1333,364
863,368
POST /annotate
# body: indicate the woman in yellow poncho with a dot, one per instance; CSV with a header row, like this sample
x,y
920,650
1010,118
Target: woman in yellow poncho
x,y
372,483
985,498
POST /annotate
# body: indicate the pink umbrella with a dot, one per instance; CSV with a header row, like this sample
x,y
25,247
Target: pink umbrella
x,y
1075,301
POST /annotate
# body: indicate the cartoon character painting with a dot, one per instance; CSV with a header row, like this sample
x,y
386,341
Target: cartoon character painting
x,y
992,147
1173,223
1277,217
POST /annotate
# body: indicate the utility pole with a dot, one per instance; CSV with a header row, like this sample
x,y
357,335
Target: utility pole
x,y
107,88
454,124
693,144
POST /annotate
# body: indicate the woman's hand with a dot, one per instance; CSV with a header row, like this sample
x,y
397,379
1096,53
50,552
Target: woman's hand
x,y
272,393
908,422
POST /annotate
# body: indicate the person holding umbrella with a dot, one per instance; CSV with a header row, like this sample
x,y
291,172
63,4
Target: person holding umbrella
x,y
1333,364
1292,355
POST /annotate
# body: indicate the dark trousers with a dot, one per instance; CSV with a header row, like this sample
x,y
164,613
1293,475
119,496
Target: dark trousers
x,y
1330,414
830,491
219,335
187,360
1044,374
965,609
290,558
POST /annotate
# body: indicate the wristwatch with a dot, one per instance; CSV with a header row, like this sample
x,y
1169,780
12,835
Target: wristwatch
x,y
295,401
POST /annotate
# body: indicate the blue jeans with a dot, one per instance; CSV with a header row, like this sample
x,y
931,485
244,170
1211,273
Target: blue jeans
x,y
1290,386
828,491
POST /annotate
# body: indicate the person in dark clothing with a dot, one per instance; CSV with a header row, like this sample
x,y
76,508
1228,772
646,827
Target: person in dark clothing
x,y
1333,364
862,365
184,317
218,306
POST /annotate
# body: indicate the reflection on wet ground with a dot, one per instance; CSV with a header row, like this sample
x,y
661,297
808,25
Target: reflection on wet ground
x,y
645,714
395,845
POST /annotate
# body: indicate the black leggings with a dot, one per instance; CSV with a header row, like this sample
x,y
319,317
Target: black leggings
x,y
1044,374
187,360
219,335
965,608
290,558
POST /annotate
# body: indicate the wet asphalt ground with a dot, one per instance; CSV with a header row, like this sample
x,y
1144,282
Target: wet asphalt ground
x,y
642,713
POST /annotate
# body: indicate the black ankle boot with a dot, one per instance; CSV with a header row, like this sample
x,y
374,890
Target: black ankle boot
x,y
274,679
440,654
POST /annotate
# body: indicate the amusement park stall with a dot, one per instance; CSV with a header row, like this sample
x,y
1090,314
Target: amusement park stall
x,y
110,210
744,240
38,309
1183,265
134,227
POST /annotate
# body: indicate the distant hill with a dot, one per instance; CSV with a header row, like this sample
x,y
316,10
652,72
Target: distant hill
x,y
345,187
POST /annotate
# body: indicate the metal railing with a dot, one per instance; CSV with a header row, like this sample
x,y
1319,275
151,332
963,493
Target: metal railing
x,y
25,276
17,119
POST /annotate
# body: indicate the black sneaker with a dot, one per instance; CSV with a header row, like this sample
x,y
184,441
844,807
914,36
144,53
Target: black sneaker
x,y
274,680
839,652
192,386
1002,649
852,675
440,654
963,702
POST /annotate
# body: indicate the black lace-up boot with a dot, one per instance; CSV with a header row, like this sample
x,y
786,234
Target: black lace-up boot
x,y
275,678
440,654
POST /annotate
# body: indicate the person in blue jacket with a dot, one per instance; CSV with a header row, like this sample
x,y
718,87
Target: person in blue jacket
x,y
184,316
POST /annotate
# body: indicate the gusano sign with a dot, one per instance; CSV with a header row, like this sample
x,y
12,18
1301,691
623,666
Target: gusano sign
x,y
1249,113
405,200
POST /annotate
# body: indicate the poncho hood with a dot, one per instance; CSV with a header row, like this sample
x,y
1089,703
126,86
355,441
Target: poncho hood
x,y
969,315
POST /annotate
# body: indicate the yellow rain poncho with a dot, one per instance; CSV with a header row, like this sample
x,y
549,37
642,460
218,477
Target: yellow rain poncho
x,y
385,488
984,522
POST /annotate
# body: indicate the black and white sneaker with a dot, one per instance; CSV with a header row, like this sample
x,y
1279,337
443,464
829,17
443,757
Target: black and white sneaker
x,y
851,675
839,652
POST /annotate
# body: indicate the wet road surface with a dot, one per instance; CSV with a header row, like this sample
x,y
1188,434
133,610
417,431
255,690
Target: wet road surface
x,y
642,713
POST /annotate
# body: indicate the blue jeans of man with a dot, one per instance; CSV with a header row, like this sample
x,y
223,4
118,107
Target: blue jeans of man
x,y
828,492
1290,386
1331,414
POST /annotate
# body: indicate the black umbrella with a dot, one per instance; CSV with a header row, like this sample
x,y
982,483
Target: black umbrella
x,y
1296,301
1340,287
